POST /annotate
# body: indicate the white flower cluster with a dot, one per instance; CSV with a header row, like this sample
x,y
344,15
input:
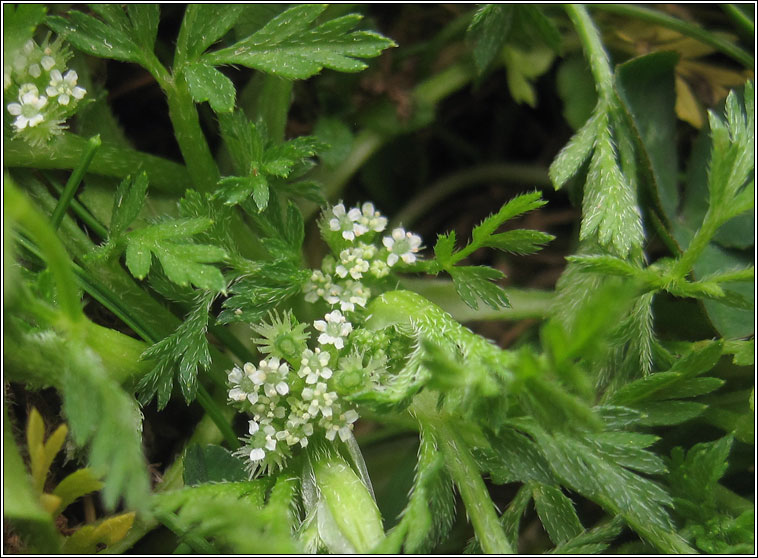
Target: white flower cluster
x,y
44,92
290,404
338,282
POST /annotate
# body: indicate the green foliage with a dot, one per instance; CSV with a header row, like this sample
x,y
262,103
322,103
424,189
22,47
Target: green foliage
x,y
474,283
186,347
645,344
291,46
211,463
261,164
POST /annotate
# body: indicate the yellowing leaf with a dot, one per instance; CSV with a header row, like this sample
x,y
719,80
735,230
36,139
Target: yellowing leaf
x,y
90,538
42,454
687,107
50,502
74,486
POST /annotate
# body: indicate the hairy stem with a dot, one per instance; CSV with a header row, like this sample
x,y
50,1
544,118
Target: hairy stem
x,y
192,143
479,505
600,64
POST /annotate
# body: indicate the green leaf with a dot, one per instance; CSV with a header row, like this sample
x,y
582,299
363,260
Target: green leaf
x,y
21,505
512,457
646,88
430,511
628,450
236,189
473,283
92,36
523,67
606,265
488,31
575,152
695,476
511,519
203,464
101,413
730,322
187,347
74,486
90,539
127,203
609,208
204,24
593,541
182,263
556,513
144,19
253,296
289,46
519,205
206,83
19,24
519,241
444,247
666,413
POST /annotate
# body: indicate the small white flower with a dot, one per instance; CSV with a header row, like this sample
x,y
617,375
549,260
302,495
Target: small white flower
x,y
321,286
64,87
347,222
253,427
319,399
48,62
34,70
236,394
354,293
314,366
355,260
28,113
334,329
257,454
342,425
234,376
379,268
371,218
402,245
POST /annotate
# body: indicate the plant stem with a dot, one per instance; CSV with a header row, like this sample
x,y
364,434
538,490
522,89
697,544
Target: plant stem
x,y
192,143
740,18
468,479
81,212
74,180
696,246
66,150
600,65
683,27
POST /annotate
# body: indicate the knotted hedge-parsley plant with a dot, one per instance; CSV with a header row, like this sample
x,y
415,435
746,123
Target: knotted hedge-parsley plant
x,y
201,272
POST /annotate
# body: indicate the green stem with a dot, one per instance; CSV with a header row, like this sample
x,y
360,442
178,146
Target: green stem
x,y
740,18
683,27
74,180
192,143
213,410
468,479
80,211
19,209
600,65
696,246
67,150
